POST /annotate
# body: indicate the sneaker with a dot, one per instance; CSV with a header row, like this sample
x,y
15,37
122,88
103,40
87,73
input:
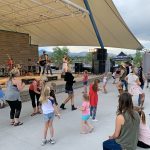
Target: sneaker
x,y
44,141
52,141
94,120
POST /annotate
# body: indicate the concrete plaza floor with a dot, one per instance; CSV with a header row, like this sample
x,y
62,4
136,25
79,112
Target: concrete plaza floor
x,y
67,129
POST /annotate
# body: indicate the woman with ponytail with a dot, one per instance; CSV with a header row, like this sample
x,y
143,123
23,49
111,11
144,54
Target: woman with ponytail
x,y
12,96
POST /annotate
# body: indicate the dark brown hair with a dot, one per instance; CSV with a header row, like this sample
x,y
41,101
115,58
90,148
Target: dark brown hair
x,y
95,85
125,105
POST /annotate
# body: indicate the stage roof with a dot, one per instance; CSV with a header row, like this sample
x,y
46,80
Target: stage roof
x,y
55,22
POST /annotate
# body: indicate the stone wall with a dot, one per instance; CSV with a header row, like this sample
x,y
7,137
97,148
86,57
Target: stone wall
x,y
17,45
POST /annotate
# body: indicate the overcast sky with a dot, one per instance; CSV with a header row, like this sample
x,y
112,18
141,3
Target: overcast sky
x,y
136,14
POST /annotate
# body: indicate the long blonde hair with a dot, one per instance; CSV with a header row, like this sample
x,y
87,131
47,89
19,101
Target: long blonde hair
x,y
44,94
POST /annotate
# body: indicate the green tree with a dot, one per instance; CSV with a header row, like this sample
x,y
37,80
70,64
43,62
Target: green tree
x,y
138,58
58,54
88,58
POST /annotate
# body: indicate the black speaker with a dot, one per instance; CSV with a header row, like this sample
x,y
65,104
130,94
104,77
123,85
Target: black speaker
x,y
100,54
78,67
99,66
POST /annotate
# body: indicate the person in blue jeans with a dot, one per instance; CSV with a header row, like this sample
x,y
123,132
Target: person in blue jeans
x,y
111,145
127,126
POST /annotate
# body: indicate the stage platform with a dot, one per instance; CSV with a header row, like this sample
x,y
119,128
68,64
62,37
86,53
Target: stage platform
x,y
59,82
29,79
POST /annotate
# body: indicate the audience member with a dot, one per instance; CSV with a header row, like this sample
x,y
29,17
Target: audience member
x,y
127,126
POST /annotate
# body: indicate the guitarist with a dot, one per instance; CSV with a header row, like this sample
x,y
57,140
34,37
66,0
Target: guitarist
x,y
42,61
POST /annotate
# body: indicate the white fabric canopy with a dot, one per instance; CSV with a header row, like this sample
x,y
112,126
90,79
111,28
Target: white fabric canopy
x,y
53,23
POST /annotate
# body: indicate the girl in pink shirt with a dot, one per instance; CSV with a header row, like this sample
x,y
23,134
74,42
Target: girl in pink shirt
x,y
86,127
144,132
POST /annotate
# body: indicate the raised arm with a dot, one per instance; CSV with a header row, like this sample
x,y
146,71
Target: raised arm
x,y
20,85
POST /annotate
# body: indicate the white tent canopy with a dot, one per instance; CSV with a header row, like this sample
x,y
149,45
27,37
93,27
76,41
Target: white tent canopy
x,y
54,22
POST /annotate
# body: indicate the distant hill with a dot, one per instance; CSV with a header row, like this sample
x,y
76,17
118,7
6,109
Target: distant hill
x,y
81,54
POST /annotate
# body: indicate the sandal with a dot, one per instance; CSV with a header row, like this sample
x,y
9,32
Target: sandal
x,y
18,124
33,114
38,112
91,130
12,123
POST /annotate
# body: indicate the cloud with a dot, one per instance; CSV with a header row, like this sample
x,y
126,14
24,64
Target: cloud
x,y
136,14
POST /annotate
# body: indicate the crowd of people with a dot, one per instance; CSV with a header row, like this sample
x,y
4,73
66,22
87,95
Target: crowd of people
x,y
130,128
130,119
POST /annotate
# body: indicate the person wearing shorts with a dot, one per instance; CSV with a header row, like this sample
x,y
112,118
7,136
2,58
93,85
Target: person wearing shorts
x,y
49,116
85,108
48,109
69,78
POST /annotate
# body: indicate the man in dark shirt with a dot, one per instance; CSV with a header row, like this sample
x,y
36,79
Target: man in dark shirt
x,y
42,61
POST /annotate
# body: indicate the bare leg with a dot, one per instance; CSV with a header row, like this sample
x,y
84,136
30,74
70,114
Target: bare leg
x,y
34,111
67,99
38,110
51,129
46,129
89,126
72,99
72,102
62,106
83,128
12,121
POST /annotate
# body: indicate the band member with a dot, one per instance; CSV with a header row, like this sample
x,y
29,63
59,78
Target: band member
x,y
10,64
42,61
48,66
65,64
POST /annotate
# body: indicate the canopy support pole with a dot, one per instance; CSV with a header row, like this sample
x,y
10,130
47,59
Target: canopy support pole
x,y
94,23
